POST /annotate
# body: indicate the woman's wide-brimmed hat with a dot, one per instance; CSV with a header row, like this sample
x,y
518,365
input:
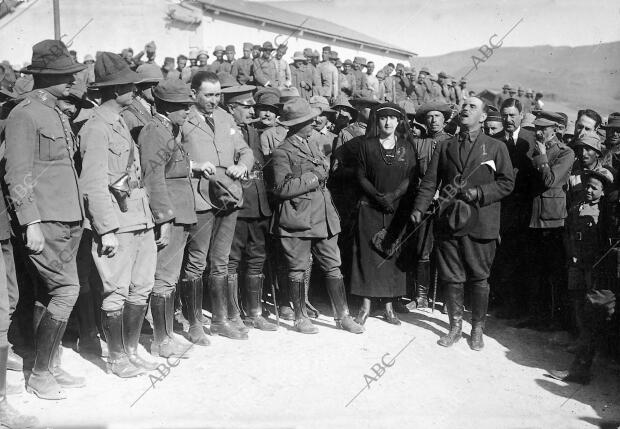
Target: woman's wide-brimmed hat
x,y
297,111
52,57
111,69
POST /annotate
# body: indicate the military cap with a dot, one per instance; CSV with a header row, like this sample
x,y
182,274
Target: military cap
x,y
174,91
88,58
512,91
408,70
362,61
320,102
181,57
546,118
461,217
443,75
433,106
307,52
287,94
247,46
168,60
570,128
218,48
591,140
149,73
529,91
268,98
240,94
506,86
564,118
347,63
342,101
52,57
493,115
203,52
613,121
256,47
230,48
333,55
299,56
297,111
602,174
226,80
267,46
111,69
425,70
338,63
327,48
315,53
150,45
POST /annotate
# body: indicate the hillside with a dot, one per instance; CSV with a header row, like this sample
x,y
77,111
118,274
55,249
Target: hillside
x,y
584,76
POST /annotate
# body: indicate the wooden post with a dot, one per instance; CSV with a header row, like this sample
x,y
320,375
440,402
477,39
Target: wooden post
x,y
57,19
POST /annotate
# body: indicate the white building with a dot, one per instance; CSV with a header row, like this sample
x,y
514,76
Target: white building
x,y
179,26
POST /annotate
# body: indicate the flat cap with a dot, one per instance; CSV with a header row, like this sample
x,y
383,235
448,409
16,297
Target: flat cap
x,y
546,118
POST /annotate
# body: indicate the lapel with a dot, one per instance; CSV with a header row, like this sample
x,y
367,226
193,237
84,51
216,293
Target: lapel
x,y
197,122
453,153
474,158
303,150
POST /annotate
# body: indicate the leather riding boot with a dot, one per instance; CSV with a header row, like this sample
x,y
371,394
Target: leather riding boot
x,y
253,303
337,294
118,362
454,300
220,325
88,341
479,306
312,312
164,344
234,312
191,295
9,416
423,281
302,322
48,336
133,316
63,377
284,298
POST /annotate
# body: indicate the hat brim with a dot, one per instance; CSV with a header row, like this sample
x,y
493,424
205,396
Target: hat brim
x,y
599,151
238,88
126,78
150,80
362,102
74,68
615,125
544,123
314,112
275,107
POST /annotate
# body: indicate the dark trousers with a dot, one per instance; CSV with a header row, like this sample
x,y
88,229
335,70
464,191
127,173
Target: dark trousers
x,y
297,251
598,314
170,260
211,237
249,246
508,275
464,259
56,265
4,303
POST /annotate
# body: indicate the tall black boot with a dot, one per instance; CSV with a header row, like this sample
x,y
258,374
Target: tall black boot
x,y
234,312
133,316
253,305
118,362
48,336
89,341
191,294
302,322
220,325
479,306
423,281
454,299
164,344
284,296
9,416
337,294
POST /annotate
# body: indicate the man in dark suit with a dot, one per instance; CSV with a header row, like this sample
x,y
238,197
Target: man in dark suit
x,y
473,173
249,243
509,267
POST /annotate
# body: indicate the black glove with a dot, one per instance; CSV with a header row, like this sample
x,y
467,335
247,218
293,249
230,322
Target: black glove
x,y
471,195
385,202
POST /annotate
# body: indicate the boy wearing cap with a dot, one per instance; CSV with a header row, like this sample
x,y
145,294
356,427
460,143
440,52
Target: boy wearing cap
x,y
123,245
39,160
588,150
241,69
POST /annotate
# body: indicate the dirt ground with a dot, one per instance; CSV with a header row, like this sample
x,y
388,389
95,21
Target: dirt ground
x,y
388,377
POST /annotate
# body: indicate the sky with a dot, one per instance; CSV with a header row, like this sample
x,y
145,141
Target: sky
x,y
435,27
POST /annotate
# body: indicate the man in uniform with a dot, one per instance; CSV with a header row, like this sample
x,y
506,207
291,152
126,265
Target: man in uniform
x,y
248,251
347,79
552,161
283,71
370,81
181,71
265,70
167,170
211,135
472,173
242,68
302,76
358,71
39,160
123,246
140,111
267,108
219,64
329,75
511,261
434,115
307,220
230,54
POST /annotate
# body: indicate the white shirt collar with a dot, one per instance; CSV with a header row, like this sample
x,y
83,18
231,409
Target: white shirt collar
x,y
515,135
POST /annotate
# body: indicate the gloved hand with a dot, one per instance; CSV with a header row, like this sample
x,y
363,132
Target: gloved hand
x,y
321,173
383,200
470,195
416,217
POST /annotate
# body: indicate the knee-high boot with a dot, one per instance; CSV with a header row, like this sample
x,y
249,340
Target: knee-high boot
x,y
133,316
302,322
337,294
89,341
164,344
234,312
479,306
118,362
220,325
191,295
454,300
252,303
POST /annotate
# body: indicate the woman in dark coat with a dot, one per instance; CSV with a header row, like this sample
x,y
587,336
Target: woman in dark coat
x,y
386,167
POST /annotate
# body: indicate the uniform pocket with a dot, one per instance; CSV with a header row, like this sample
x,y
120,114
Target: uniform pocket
x,y
296,214
118,148
52,148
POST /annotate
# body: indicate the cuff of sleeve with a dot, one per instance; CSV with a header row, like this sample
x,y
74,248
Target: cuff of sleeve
x,y
541,161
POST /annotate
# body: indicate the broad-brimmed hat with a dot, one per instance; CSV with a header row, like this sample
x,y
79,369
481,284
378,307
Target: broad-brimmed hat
x,y
507,86
299,56
529,91
613,121
307,52
87,58
203,52
347,63
363,102
601,173
424,70
322,103
174,91
315,54
545,118
461,217
268,98
591,140
297,111
150,73
288,94
222,191
342,101
218,48
389,109
267,46
111,69
433,106
408,106
52,57
240,94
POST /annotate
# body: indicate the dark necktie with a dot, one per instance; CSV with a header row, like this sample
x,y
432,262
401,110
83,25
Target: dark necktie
x,y
464,146
511,141
209,121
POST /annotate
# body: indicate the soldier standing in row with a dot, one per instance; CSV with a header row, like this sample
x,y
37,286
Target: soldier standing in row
x,y
242,68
